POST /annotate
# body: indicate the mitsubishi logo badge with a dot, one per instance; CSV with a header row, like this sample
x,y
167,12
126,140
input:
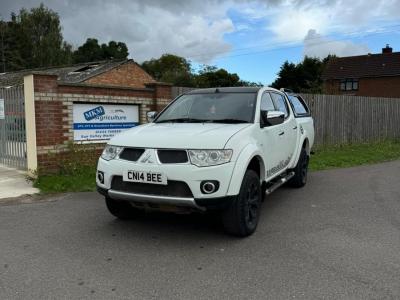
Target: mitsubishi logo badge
x,y
147,157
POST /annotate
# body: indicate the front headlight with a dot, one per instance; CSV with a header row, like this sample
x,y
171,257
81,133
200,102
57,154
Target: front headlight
x,y
205,158
110,152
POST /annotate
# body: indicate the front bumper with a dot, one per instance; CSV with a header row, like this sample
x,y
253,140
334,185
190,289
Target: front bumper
x,y
187,173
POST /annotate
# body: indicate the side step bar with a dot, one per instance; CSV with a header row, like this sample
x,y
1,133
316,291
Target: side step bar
x,y
278,183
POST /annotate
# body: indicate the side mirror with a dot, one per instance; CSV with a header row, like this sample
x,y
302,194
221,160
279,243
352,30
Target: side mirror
x,y
151,115
271,118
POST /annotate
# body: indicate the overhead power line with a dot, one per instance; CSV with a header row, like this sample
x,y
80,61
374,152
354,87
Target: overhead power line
x,y
295,44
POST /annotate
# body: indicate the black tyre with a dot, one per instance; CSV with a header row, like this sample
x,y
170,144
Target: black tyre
x,y
300,171
241,217
121,209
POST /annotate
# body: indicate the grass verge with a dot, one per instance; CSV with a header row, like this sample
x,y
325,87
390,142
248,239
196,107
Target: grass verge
x,y
345,156
83,179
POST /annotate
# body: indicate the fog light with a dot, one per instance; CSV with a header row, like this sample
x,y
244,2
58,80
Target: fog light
x,y
100,176
209,186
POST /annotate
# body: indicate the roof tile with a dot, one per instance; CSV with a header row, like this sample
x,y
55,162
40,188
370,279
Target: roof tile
x,y
68,74
371,65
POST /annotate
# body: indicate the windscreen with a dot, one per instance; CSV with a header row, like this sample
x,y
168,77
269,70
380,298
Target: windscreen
x,y
215,107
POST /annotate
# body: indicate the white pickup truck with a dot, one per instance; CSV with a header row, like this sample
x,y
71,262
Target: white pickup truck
x,y
217,148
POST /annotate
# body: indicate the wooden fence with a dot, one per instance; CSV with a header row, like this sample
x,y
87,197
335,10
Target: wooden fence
x,y
345,119
341,119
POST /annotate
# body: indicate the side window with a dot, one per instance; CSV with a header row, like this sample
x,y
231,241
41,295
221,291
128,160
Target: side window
x,y
280,103
266,102
300,109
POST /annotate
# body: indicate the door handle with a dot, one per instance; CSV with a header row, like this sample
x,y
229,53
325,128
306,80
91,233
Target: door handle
x,y
282,133
295,127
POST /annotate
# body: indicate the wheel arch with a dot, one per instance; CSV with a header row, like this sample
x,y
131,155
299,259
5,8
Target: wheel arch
x,y
257,164
249,158
305,144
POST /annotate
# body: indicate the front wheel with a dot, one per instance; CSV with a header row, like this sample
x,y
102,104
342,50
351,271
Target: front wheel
x,y
121,209
241,217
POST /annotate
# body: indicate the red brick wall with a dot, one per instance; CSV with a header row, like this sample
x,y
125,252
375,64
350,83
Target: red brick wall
x,y
53,112
128,75
372,87
45,83
163,94
49,123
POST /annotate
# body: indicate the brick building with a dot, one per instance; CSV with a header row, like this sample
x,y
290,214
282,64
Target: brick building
x,y
50,96
374,75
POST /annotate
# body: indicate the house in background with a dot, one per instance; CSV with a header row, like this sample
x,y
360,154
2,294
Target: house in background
x,y
374,75
121,73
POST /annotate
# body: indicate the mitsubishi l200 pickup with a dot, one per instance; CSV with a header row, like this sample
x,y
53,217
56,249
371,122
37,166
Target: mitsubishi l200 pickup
x,y
219,149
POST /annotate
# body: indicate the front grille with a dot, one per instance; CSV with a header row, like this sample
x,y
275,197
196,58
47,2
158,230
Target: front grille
x,y
131,154
173,188
172,156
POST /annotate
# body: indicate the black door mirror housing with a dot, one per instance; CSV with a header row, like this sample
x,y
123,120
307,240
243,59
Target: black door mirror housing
x,y
151,115
271,118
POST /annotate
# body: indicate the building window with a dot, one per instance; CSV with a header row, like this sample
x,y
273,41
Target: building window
x,y
349,85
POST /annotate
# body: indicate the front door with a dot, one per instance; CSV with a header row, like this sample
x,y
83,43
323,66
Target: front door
x,y
287,130
272,141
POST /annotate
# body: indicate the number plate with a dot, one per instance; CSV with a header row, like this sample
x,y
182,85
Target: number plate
x,y
146,177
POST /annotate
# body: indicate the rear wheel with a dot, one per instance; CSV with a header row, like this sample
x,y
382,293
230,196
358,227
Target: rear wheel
x,y
300,171
241,217
121,209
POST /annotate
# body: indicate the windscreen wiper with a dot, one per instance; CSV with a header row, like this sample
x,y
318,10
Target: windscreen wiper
x,y
230,121
183,120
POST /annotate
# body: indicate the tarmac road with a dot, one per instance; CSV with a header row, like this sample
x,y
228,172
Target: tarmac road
x,y
337,238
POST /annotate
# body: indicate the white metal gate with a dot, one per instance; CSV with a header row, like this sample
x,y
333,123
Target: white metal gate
x,y
12,127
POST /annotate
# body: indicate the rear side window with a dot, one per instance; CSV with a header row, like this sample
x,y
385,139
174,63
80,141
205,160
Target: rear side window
x,y
299,107
280,103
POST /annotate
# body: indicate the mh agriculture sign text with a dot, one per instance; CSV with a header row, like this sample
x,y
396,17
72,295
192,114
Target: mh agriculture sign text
x,y
93,113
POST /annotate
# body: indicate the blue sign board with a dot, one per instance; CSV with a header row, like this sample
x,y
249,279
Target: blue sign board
x,y
94,122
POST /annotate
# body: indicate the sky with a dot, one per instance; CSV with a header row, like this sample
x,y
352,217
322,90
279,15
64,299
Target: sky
x,y
250,38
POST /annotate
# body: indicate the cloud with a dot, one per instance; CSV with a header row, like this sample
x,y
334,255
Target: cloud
x,y
317,46
151,31
192,29
198,30
292,19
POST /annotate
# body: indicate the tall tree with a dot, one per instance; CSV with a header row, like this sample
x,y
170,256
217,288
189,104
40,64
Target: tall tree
x,y
170,68
287,77
211,76
178,71
302,77
32,39
9,51
115,50
91,50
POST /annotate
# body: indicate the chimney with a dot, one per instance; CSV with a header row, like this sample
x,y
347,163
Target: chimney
x,y
387,49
